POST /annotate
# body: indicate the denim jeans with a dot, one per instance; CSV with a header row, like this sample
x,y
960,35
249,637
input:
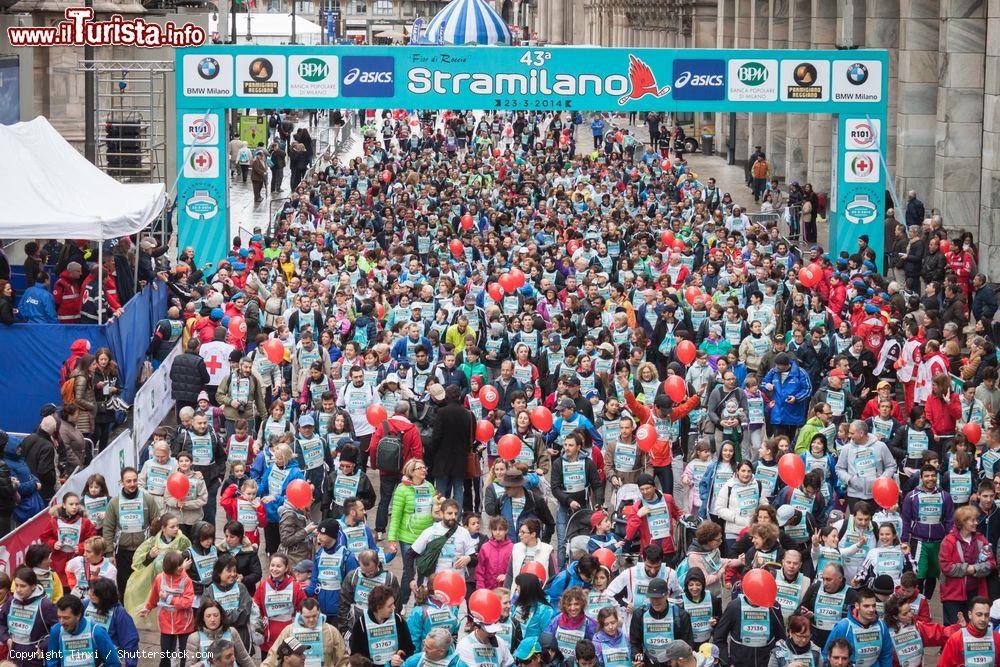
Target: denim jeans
x,y
386,487
451,487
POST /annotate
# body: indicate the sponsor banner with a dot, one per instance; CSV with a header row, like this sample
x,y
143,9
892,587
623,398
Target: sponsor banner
x,y
200,129
753,80
253,130
208,75
861,167
861,134
313,76
805,80
260,76
119,454
699,79
570,78
16,543
856,81
202,162
152,402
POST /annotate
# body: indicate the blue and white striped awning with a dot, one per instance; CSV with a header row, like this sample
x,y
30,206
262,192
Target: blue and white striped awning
x,y
468,22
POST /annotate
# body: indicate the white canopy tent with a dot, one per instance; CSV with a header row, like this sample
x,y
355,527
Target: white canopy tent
x,y
268,28
51,191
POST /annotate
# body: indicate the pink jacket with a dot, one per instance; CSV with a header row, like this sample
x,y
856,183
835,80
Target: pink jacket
x,y
494,558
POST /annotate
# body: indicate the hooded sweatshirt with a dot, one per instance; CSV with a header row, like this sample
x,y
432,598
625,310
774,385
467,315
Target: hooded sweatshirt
x,y
27,486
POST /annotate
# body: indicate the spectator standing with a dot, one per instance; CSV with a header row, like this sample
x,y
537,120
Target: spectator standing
x,y
36,304
40,455
188,376
451,445
66,294
84,396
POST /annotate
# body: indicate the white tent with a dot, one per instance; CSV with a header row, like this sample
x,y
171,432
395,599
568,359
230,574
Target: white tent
x,y
51,191
268,28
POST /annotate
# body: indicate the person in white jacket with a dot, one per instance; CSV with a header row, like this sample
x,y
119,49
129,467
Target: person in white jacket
x,y
737,501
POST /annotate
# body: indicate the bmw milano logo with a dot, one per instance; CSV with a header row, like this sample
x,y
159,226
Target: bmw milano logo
x,y
208,68
857,74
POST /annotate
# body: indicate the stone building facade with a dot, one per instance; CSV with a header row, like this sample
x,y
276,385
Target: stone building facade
x,y
944,85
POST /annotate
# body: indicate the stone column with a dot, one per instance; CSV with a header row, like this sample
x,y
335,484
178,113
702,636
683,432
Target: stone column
x,y
797,126
918,97
704,25
824,28
882,32
741,40
759,19
959,159
725,27
776,123
989,204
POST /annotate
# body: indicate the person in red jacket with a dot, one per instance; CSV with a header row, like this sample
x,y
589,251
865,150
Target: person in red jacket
x,y
908,591
665,418
966,559
654,519
68,529
943,409
279,598
976,645
909,632
413,448
884,393
66,294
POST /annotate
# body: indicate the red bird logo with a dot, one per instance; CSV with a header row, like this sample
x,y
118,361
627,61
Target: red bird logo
x,y
642,80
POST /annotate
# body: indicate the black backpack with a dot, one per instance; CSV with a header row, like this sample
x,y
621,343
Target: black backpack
x,y
389,455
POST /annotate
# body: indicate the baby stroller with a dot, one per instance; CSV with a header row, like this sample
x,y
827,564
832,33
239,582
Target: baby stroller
x,y
688,525
624,496
578,533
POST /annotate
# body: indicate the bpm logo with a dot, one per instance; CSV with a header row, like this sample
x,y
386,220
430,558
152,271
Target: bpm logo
x,y
367,76
699,80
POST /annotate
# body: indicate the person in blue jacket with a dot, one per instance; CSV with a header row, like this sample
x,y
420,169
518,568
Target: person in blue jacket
x,y
405,348
864,631
73,628
27,485
102,608
581,573
531,611
37,305
277,475
790,389
331,565
568,421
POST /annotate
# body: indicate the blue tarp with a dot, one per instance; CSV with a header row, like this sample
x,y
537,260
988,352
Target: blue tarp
x,y
32,354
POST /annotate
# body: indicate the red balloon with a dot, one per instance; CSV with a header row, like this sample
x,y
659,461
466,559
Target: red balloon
x,y
692,293
665,164
238,327
791,470
619,136
675,388
760,587
376,414
507,283
386,176
945,245
299,493
485,606
541,418
489,396
274,350
467,221
605,557
667,237
973,432
496,152
809,277
678,245
509,447
450,585
686,352
645,437
535,568
572,247
484,430
519,277
457,248
885,491
178,485
495,291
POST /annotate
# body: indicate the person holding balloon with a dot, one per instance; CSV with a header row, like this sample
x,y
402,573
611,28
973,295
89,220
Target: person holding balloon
x,y
156,470
275,481
126,521
752,623
165,536
863,459
208,457
663,426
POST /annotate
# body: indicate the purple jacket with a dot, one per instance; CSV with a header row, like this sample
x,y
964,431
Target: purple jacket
x,y
928,532
45,620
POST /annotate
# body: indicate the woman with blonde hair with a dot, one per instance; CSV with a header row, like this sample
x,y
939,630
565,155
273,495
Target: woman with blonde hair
x,y
283,469
412,513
